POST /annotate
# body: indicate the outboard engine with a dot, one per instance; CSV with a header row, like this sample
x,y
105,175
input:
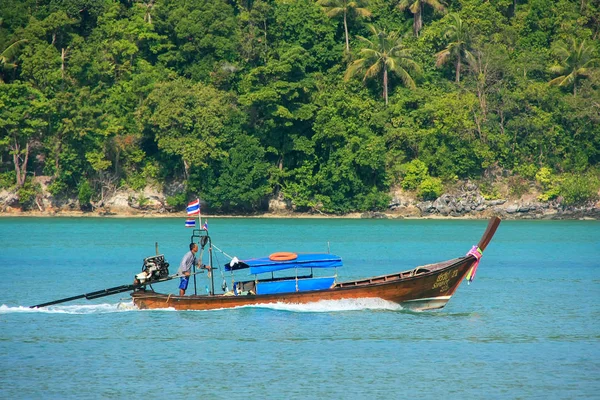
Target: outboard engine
x,y
154,268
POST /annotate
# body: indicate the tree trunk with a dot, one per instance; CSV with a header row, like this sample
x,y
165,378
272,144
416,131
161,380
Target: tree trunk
x,y
346,31
277,187
266,47
458,69
418,20
63,55
482,98
57,151
385,84
501,121
38,204
20,166
186,169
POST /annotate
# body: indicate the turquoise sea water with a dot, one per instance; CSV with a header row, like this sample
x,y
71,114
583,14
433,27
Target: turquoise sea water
x,y
527,328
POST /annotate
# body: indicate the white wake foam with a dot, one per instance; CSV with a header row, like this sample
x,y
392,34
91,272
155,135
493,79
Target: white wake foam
x,y
72,309
334,305
316,307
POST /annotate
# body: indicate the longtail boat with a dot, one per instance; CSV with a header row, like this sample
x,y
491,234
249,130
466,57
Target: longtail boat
x,y
424,287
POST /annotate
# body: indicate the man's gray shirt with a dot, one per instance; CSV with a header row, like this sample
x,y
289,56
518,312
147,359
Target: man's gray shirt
x,y
186,263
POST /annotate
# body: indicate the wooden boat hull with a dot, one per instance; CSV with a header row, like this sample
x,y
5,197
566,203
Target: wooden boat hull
x,y
423,288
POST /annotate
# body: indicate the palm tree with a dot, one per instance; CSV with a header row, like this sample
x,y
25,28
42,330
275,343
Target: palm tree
x,y
577,59
334,8
416,7
7,56
147,5
458,48
385,54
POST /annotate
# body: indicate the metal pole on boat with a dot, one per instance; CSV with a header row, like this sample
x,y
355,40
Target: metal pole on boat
x,y
195,289
210,260
200,258
201,251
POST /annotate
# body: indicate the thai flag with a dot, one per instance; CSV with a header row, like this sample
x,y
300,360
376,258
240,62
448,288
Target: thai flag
x,y
194,207
190,223
205,226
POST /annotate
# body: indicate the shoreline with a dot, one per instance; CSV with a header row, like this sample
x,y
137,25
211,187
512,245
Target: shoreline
x,y
282,215
116,215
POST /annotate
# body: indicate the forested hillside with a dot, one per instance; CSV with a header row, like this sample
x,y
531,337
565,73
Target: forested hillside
x,y
327,104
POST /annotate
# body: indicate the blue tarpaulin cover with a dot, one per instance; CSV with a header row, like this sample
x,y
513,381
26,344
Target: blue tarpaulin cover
x,y
289,286
264,264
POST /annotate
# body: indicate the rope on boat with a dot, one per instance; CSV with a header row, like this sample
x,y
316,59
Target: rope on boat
x,y
223,275
224,286
225,254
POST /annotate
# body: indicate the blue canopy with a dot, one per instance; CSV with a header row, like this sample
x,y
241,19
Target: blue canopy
x,y
264,264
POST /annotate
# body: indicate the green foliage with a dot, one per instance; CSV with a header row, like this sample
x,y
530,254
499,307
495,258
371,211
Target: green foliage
x,y
384,55
430,189
544,177
579,189
7,179
28,193
85,193
517,186
489,191
549,183
550,194
242,183
142,201
177,201
415,173
190,121
576,61
136,181
243,101
527,171
57,187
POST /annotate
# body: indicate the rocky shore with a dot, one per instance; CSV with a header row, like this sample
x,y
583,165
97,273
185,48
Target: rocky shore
x,y
467,202
474,205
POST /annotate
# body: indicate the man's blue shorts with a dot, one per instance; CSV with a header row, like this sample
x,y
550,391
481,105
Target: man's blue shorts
x,y
183,282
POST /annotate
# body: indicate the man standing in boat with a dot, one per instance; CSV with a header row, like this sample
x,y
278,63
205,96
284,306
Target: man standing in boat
x,y
185,268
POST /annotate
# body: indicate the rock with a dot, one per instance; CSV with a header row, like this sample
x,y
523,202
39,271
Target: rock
x,y
279,205
440,203
425,206
120,200
9,199
444,210
497,202
374,215
470,187
394,203
513,208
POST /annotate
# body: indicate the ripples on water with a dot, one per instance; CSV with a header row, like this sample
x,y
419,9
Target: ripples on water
x,y
526,328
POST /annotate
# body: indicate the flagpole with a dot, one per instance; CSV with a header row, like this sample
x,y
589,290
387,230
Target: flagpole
x,y
200,238
199,216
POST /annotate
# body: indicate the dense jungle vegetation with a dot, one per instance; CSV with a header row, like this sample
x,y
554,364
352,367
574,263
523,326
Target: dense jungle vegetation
x,y
326,103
